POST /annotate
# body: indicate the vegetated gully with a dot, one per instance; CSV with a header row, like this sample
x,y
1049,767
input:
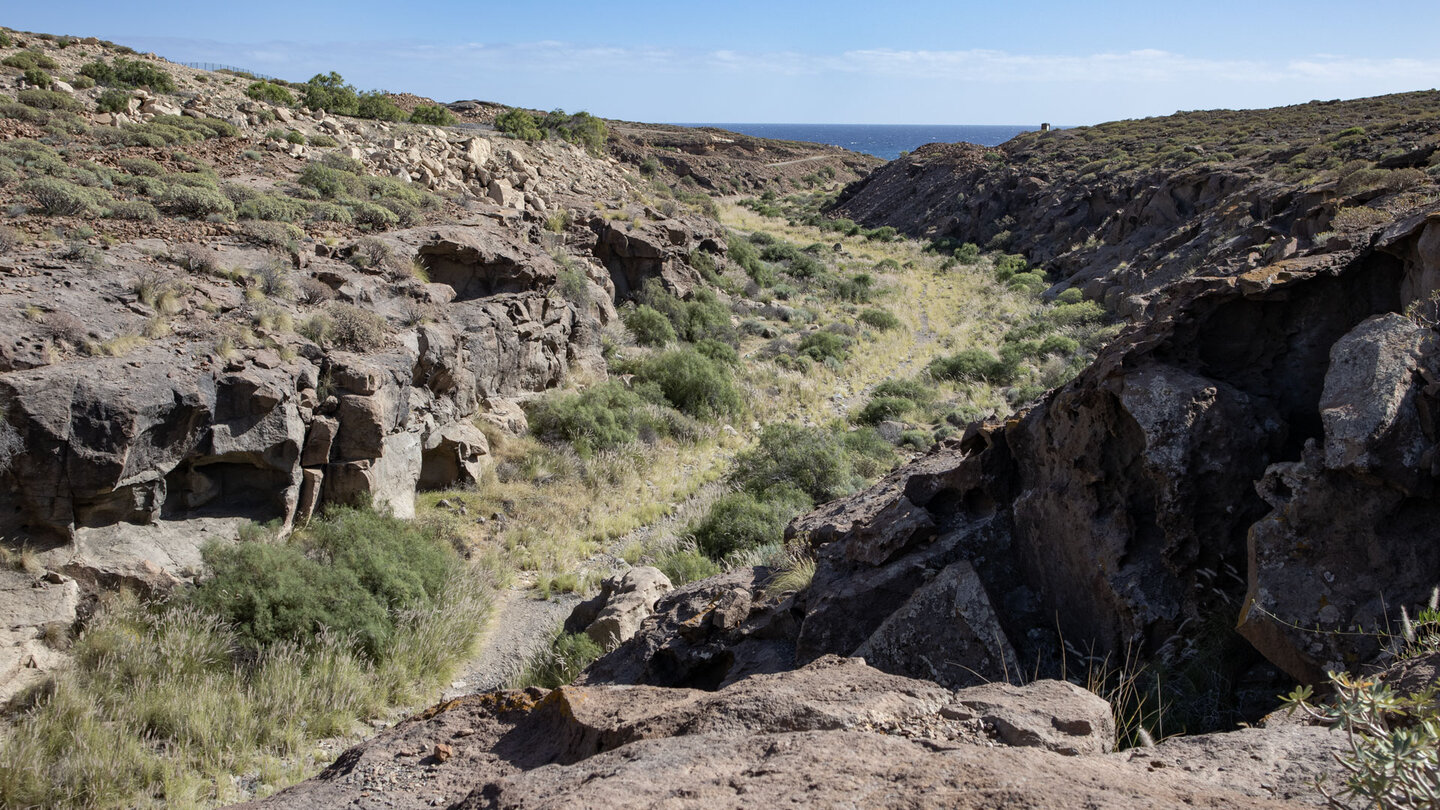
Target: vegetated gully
x,y
646,514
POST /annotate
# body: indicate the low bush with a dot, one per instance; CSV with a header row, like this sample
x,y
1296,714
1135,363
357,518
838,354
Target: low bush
x,y
355,329
691,382
703,316
599,418
196,202
740,521
330,93
970,365
814,460
27,60
968,253
882,319
517,123
881,409
822,345
61,198
47,100
129,73
271,93
113,101
559,662
136,210
271,207
649,326
687,564
39,78
434,115
377,105
717,351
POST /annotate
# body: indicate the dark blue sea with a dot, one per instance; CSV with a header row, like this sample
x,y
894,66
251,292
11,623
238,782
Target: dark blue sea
x,y
881,140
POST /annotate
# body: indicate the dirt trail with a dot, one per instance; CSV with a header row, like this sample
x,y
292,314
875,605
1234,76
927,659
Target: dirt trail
x,y
798,160
519,627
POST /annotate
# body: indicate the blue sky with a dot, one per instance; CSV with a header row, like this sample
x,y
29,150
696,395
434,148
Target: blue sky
x,y
842,61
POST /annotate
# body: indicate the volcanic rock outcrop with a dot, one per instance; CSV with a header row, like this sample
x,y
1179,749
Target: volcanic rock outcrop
x,y
834,733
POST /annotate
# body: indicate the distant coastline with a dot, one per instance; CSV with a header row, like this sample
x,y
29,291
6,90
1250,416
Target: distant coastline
x,y
885,141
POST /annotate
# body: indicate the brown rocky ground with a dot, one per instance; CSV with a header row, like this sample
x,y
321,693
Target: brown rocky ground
x,y
836,733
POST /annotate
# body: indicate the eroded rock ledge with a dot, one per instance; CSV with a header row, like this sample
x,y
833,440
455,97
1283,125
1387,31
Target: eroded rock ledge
x,y
834,733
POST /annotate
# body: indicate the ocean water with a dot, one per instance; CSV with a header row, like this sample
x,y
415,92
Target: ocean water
x,y
885,141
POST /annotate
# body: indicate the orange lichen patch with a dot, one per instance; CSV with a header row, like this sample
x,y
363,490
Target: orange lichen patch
x,y
1284,271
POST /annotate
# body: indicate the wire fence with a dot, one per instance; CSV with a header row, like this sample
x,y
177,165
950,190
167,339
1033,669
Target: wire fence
x,y
213,66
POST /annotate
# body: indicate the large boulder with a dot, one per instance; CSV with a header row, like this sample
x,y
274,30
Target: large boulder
x,y
625,600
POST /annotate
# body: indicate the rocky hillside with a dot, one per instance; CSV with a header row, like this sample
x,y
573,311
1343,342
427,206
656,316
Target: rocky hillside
x,y
1122,209
724,162
217,309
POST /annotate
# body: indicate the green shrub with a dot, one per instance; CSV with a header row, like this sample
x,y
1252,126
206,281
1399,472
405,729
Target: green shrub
x,y
743,253
649,326
691,382
129,73
703,316
1084,312
5,41
296,137
136,210
330,93
377,105
27,60
717,351
355,329
20,112
822,345
47,100
1070,295
60,198
559,662
517,123
270,92
740,521
331,182
143,167
882,319
812,460
196,202
600,417
578,128
687,565
434,115
39,78
350,574
883,409
271,207
113,101
918,439
970,365
322,140
374,217
968,253
1029,281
